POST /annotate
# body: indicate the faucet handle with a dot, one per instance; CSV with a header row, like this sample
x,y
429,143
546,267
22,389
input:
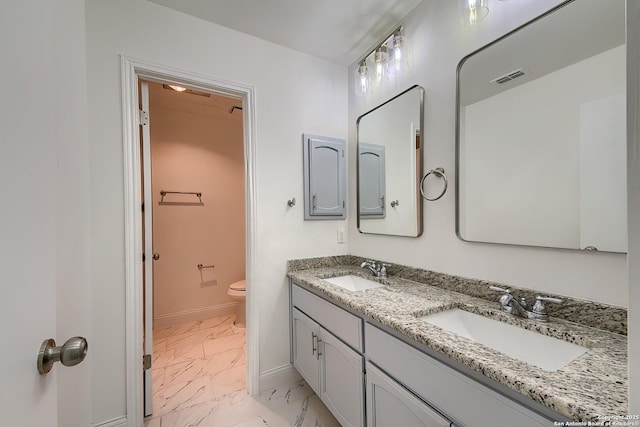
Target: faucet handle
x,y
383,269
523,303
497,289
539,308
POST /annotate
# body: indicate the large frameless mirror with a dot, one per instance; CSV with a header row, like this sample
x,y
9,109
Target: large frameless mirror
x,y
390,166
541,133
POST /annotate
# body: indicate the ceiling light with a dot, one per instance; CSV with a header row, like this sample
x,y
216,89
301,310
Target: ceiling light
x,y
177,88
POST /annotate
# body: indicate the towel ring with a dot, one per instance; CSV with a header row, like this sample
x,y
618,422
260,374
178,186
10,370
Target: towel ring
x,y
438,172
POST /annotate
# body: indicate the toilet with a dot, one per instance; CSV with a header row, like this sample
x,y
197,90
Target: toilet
x,y
238,291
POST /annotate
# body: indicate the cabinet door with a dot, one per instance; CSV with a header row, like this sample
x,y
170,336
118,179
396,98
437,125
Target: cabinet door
x,y
305,348
389,404
324,177
371,180
341,380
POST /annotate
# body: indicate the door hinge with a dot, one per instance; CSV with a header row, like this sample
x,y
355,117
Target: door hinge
x,y
364,378
142,207
143,257
146,361
143,117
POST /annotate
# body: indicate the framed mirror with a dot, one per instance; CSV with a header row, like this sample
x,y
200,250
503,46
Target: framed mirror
x,y
389,166
541,133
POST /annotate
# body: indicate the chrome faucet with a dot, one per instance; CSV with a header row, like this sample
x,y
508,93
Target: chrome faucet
x,y
378,270
509,303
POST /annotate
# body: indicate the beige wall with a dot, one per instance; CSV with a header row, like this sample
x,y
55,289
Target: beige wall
x,y
196,145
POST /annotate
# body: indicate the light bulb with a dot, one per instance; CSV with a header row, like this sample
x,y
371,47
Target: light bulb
x,y
399,60
178,88
362,80
380,59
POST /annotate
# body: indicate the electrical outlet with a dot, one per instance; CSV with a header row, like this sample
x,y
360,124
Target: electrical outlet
x,y
340,235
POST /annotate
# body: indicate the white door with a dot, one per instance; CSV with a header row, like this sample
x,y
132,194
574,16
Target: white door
x,y
145,135
44,214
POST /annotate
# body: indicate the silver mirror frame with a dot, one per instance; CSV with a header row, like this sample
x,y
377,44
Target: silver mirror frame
x,y
419,170
458,135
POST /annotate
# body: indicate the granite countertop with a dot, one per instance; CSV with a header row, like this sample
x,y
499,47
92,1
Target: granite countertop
x,y
592,386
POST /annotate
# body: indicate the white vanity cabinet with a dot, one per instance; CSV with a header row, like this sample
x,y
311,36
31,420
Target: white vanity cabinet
x,y
389,404
305,348
404,386
459,397
331,368
341,380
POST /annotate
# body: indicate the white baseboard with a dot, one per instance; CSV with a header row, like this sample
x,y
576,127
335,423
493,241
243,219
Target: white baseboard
x,y
197,314
116,422
278,376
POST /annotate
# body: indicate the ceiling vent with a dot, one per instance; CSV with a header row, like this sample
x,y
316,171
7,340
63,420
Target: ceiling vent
x,y
510,76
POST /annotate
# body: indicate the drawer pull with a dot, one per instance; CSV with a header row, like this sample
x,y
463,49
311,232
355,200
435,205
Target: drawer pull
x,y
314,343
318,354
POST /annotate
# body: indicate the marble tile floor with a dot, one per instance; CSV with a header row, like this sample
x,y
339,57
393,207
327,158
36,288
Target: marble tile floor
x,y
199,380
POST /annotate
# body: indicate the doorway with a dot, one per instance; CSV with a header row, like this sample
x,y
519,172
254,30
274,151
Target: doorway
x,y
134,71
197,206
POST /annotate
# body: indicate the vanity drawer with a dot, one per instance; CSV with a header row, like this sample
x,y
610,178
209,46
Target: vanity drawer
x,y
341,323
463,399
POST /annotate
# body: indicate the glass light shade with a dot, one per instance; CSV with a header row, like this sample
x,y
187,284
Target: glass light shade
x,y
380,64
470,12
398,57
362,79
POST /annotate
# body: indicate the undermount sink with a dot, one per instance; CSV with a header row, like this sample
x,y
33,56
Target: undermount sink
x,y
353,283
547,353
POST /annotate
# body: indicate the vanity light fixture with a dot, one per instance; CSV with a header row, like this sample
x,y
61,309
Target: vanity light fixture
x,y
389,57
470,12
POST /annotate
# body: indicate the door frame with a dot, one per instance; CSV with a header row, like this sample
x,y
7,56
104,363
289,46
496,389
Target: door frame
x,y
133,70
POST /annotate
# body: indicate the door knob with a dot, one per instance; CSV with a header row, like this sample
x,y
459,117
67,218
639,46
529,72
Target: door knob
x,y
70,354
156,256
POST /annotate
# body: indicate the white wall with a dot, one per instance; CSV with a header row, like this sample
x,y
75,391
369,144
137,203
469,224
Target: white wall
x,y
550,185
295,93
437,44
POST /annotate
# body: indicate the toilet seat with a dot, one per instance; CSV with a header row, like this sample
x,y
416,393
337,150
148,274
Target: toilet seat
x,y
240,286
238,291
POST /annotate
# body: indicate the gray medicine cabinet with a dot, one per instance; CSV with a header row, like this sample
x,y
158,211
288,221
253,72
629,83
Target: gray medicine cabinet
x,y
324,177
